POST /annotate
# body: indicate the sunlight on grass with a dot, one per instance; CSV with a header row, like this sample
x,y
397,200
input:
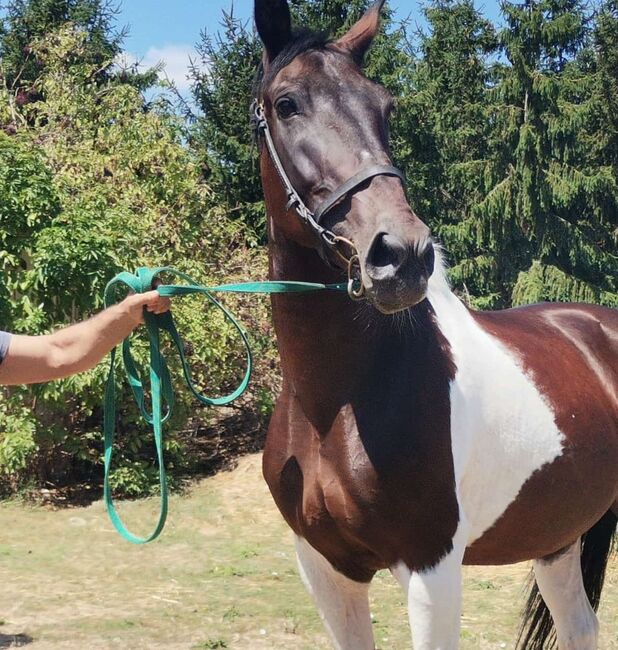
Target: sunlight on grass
x,y
223,575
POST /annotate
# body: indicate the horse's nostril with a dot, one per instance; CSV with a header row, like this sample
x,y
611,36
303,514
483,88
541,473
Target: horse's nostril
x,y
386,250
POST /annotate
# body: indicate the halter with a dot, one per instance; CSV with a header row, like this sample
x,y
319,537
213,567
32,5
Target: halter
x,y
329,240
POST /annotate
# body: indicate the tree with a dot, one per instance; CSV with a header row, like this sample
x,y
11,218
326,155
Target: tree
x,y
28,20
449,128
28,203
91,183
222,88
546,217
605,58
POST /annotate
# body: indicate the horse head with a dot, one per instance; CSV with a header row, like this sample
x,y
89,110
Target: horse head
x,y
328,127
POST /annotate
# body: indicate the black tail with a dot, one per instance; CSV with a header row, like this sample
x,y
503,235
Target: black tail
x,y
537,628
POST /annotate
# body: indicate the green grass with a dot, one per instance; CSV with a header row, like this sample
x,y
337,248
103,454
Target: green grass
x,y
223,575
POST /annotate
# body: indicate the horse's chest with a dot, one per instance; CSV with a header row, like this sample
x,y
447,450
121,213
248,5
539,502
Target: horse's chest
x,y
362,507
334,512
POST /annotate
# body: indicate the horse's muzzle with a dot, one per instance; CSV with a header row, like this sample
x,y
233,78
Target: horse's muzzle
x,y
396,272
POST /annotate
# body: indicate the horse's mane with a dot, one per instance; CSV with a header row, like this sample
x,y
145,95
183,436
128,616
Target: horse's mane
x,y
303,40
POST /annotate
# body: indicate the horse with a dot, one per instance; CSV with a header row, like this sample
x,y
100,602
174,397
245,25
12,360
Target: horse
x,y
411,432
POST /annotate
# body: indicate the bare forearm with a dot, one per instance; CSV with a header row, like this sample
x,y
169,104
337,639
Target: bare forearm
x,y
35,359
81,346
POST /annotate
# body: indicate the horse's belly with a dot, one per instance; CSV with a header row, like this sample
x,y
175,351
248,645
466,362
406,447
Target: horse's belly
x,y
559,502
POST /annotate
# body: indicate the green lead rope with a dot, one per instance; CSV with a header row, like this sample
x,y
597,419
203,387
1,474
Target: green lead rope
x,y
161,390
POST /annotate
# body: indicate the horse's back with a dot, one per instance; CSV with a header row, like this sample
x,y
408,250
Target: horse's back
x,y
570,343
570,353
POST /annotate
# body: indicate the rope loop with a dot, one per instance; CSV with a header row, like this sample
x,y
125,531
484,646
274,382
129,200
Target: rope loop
x,y
161,389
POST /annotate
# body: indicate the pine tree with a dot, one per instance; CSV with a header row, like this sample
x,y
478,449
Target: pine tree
x,y
549,205
28,20
222,89
606,88
450,126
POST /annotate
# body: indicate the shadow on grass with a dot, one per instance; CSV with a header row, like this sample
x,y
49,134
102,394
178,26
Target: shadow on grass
x,y
14,640
216,447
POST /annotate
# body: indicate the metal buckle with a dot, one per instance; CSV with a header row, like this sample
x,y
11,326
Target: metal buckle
x,y
356,288
258,120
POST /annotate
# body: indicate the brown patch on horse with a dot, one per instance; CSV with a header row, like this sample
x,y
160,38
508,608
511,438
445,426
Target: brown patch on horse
x,y
570,353
358,454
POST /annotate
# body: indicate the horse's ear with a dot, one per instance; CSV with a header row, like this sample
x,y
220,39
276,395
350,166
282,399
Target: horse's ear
x,y
274,25
359,37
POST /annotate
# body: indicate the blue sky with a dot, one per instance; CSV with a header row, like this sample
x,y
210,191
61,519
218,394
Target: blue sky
x,y
167,30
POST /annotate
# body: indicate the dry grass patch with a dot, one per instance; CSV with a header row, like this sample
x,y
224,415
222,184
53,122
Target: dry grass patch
x,y
222,576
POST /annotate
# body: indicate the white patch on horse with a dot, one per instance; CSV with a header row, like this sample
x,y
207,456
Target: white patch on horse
x,y
342,603
561,585
434,598
502,428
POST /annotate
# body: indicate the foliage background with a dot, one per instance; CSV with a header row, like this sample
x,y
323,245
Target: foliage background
x,y
508,138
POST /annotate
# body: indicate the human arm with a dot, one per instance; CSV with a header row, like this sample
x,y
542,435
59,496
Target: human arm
x,y
79,347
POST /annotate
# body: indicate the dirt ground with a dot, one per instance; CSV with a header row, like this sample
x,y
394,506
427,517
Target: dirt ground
x,y
221,576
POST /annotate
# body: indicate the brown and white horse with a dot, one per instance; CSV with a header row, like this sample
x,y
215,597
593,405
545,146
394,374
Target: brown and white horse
x,y
434,439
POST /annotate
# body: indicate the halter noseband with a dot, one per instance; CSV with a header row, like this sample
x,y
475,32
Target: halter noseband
x,y
312,219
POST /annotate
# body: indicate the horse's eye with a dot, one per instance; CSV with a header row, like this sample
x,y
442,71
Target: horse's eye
x,y
286,107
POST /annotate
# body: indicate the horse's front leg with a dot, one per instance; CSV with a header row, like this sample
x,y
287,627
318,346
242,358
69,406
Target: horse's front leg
x,y
434,601
343,603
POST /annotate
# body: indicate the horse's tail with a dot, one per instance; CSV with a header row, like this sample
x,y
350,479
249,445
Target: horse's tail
x,y
537,628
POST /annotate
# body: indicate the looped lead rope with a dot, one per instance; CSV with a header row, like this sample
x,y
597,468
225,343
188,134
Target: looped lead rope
x,y
161,390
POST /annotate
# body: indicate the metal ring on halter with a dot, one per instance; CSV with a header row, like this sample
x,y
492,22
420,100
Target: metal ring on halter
x,y
356,288
335,240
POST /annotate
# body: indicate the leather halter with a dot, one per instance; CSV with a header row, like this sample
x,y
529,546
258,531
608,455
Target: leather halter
x,y
326,237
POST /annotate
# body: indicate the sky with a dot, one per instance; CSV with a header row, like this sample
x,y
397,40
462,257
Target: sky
x,y
167,30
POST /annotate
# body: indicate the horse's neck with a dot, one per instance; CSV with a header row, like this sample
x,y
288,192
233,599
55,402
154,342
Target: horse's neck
x,y
321,342
317,334
329,345
336,352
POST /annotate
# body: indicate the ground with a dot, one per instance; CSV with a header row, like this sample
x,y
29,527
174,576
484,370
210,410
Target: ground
x,y
221,576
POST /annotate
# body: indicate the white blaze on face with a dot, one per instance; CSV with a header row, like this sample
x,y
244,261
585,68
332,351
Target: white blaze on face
x,y
502,428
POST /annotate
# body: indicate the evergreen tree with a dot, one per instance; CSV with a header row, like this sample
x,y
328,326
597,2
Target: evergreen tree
x,y
606,88
222,88
450,126
546,217
28,20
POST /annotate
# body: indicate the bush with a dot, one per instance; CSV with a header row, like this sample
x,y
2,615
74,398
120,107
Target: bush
x,y
96,182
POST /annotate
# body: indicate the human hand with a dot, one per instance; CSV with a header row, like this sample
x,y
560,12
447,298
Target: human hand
x,y
151,300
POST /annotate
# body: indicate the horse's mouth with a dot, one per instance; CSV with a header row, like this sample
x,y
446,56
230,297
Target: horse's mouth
x,y
393,299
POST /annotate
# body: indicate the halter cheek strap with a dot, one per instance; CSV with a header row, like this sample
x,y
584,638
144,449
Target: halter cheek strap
x,y
312,219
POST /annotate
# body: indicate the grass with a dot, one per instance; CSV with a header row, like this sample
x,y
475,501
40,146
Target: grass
x,y
222,576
